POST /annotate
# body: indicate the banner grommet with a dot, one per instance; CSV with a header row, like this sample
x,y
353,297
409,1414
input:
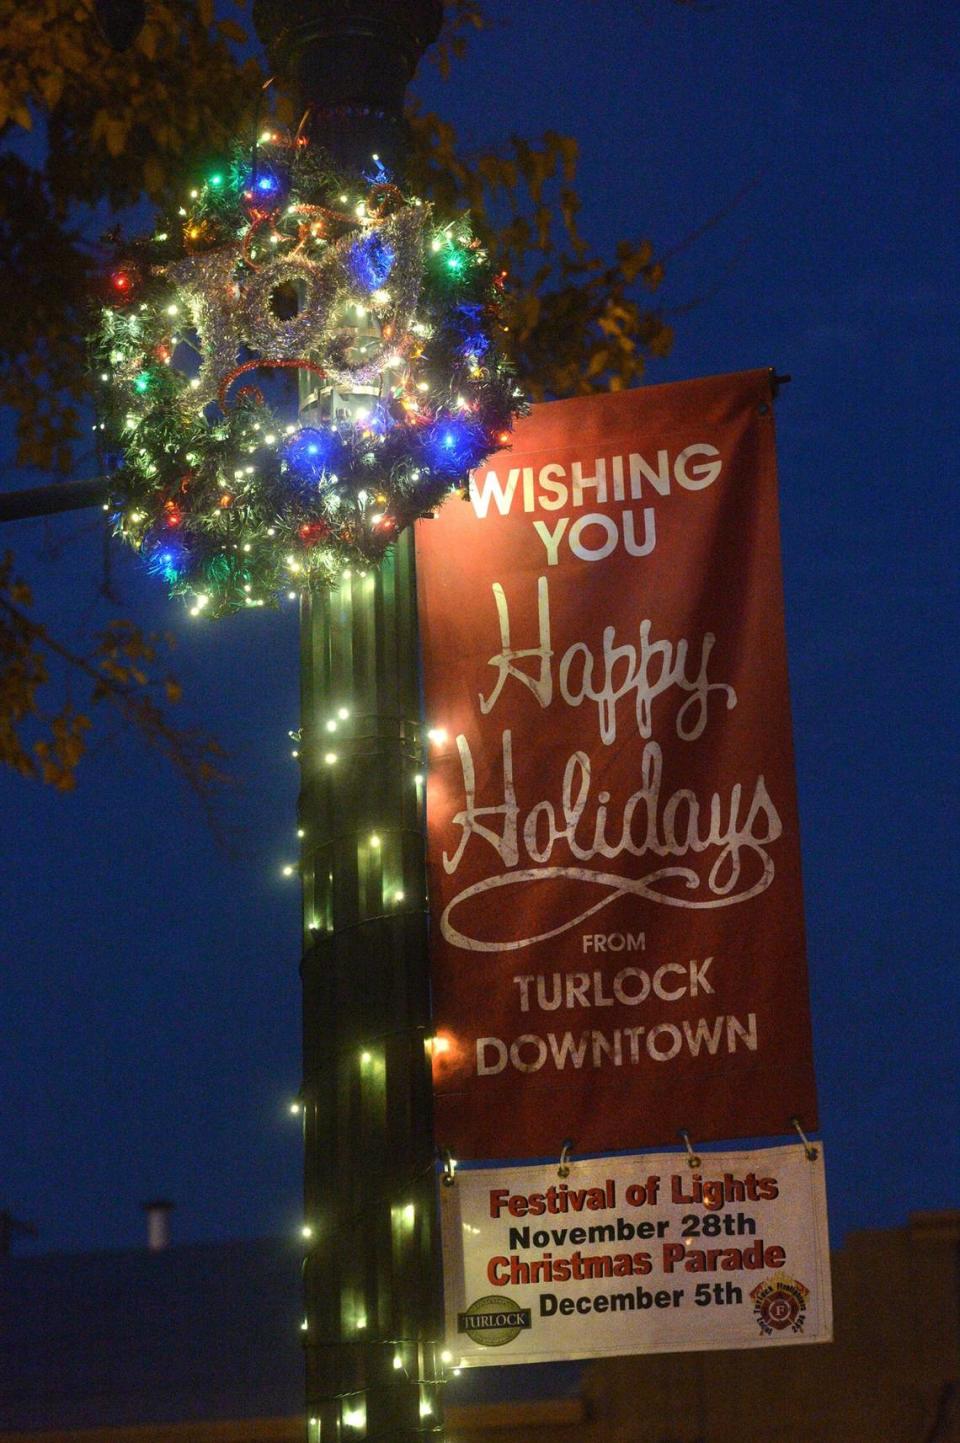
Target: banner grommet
x,y
812,1153
692,1159
563,1167
449,1174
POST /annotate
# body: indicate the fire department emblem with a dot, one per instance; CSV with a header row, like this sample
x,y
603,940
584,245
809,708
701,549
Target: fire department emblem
x,y
780,1303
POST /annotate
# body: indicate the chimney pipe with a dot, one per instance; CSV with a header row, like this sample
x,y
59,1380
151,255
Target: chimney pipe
x,y
158,1223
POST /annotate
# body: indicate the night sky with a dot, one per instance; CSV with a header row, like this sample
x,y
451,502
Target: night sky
x,y
148,977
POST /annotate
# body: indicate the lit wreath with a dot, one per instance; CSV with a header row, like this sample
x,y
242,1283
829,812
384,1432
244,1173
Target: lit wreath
x,y
235,485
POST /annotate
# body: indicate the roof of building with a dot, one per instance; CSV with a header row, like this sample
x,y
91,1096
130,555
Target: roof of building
x,y
195,1332
207,1330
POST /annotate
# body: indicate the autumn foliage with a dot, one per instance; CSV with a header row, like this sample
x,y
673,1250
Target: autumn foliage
x,y
86,133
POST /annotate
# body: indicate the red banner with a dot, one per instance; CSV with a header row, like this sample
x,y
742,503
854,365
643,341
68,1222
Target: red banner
x,y
617,927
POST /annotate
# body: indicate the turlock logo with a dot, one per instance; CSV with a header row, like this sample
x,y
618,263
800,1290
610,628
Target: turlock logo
x,y
493,1321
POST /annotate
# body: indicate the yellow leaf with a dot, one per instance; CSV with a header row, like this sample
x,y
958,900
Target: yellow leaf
x,y
51,86
153,175
147,41
115,132
230,30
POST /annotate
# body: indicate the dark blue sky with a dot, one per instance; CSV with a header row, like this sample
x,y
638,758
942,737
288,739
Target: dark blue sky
x,y
149,986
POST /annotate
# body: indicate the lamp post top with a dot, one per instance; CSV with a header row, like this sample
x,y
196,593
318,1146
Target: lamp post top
x,y
348,53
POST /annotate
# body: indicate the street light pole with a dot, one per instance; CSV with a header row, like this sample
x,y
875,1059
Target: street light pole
x,y
373,1313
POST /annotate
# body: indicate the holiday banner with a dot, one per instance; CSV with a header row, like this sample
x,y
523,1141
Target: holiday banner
x,y
614,870
636,1255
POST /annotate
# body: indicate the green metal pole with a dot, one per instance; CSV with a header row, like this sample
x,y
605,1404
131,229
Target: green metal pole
x,y
373,1311
372,1275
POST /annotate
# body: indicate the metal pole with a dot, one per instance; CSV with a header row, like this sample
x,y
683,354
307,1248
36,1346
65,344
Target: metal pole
x,y
373,1311
49,500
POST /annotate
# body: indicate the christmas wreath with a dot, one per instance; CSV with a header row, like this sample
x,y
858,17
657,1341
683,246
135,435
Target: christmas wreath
x,y
291,370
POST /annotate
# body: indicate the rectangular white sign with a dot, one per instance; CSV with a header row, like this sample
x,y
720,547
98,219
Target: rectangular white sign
x,y
636,1255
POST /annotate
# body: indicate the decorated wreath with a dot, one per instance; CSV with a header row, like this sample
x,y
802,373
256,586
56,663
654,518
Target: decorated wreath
x,y
291,370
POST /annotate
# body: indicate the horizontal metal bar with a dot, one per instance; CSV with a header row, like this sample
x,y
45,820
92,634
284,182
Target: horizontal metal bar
x,y
48,500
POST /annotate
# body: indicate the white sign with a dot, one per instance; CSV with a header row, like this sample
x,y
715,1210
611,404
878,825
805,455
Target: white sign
x,y
636,1255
